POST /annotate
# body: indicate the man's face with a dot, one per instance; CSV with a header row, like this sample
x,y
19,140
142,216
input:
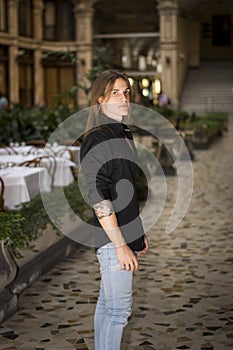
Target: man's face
x,y
116,104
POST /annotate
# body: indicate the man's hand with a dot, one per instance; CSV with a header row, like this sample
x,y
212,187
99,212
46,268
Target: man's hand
x,y
142,252
107,218
127,258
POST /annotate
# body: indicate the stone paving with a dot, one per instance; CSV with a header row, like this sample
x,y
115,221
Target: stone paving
x,y
183,292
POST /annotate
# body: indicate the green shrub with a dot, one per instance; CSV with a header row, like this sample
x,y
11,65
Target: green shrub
x,y
20,124
214,122
19,228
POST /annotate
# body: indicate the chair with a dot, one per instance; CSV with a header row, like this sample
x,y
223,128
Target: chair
x,y
2,189
49,162
69,142
31,163
36,143
75,169
62,152
8,149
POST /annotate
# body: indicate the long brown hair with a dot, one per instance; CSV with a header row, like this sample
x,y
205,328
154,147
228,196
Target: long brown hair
x,y
102,87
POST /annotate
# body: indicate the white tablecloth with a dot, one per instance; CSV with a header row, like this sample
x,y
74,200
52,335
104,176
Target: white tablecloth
x,y
53,150
63,151
17,150
63,175
23,183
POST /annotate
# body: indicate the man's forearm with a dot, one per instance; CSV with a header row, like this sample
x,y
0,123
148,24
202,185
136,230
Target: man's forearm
x,y
108,220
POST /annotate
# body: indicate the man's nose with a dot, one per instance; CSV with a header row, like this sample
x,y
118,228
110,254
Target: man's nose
x,y
123,97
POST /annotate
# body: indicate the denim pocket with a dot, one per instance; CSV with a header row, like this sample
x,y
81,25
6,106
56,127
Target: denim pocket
x,y
108,259
114,264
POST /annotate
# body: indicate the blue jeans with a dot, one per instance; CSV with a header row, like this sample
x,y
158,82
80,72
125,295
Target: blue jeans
x,y
115,300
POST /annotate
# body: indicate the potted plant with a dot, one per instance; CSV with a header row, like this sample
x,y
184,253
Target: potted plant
x,y
11,235
21,228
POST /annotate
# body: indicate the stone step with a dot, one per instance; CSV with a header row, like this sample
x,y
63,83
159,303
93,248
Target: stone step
x,y
209,88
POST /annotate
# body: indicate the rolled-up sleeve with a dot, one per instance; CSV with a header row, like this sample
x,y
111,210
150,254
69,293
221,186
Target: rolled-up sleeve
x,y
96,167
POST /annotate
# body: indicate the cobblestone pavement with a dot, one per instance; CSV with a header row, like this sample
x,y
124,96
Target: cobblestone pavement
x,y
183,291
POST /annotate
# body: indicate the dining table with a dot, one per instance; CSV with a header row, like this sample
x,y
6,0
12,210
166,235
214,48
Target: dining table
x,y
26,149
53,150
63,175
21,184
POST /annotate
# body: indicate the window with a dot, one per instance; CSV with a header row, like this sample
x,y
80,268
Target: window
x,y
59,77
58,20
25,18
26,78
49,20
4,69
3,16
221,30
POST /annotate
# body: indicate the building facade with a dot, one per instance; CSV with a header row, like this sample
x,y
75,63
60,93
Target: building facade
x,y
44,48
48,46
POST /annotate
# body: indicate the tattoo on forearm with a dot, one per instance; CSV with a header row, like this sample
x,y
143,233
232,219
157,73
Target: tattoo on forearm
x,y
103,209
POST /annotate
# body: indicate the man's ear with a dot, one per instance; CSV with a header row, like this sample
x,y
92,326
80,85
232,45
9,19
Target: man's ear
x,y
100,99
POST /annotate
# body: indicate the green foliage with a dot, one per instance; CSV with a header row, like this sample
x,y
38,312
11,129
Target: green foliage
x,y
11,229
66,98
19,228
211,121
165,111
21,123
208,124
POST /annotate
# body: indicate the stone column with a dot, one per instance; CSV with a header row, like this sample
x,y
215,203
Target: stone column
x,y
13,77
37,19
83,11
38,69
168,11
38,78
13,17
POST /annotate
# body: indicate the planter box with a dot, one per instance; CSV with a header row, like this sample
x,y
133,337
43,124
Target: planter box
x,y
8,267
48,249
202,138
48,238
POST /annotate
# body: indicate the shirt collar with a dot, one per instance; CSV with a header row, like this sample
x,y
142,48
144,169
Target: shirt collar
x,y
118,127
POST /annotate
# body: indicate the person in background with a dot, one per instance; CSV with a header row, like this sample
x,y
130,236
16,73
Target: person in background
x,y
3,101
120,237
163,99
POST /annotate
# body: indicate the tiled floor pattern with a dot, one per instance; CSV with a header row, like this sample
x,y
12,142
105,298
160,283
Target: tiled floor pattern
x,y
183,295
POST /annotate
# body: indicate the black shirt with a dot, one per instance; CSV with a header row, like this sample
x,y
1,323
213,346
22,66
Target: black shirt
x,y
109,165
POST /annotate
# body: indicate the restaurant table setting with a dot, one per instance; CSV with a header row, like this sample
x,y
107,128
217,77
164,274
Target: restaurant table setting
x,y
52,168
50,149
22,149
23,183
63,174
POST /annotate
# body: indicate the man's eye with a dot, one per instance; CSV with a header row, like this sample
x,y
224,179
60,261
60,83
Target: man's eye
x,y
117,93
